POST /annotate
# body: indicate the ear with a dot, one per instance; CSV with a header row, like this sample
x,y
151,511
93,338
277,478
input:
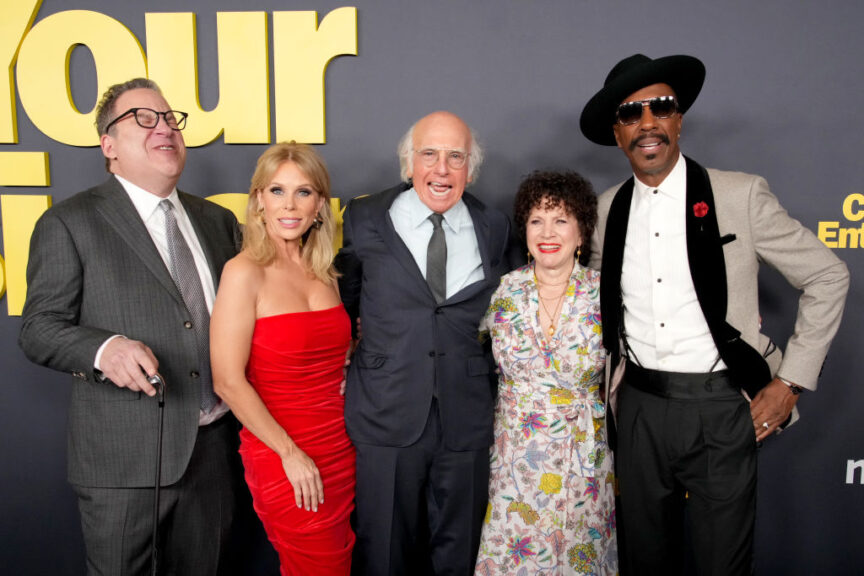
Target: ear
x,y
260,205
615,128
106,142
321,201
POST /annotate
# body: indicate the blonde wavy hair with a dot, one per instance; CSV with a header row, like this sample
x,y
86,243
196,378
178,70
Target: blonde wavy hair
x,y
317,245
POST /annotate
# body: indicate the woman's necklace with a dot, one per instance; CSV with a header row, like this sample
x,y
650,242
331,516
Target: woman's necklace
x,y
558,300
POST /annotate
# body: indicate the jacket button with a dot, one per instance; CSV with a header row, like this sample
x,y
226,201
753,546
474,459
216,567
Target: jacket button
x,y
187,325
431,353
194,374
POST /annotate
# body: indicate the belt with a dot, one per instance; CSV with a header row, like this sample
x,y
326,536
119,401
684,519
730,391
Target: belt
x,y
681,385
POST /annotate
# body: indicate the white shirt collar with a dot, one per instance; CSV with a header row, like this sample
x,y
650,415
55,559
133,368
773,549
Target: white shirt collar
x,y
418,212
674,185
146,202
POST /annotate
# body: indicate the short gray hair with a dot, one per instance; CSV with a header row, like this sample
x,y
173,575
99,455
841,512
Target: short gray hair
x,y
405,150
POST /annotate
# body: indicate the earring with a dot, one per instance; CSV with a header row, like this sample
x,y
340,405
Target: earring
x,y
578,252
317,222
260,212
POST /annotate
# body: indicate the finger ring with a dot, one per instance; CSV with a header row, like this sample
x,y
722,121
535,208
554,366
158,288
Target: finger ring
x,y
765,425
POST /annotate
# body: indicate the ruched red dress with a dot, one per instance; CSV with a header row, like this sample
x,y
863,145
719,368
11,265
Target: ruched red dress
x,y
296,365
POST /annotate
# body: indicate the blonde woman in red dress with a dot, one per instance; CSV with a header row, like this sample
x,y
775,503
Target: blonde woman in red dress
x,y
279,338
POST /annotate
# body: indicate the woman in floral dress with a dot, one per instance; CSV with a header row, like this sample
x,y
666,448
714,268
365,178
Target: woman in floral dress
x,y
551,489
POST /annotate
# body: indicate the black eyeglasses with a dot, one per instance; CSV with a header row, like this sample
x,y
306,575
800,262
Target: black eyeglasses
x,y
661,107
149,118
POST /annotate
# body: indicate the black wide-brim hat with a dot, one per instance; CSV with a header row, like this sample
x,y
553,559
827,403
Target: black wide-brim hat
x,y
685,74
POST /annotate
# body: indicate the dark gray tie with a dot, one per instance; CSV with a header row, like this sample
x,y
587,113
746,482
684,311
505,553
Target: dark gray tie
x,y
436,260
186,277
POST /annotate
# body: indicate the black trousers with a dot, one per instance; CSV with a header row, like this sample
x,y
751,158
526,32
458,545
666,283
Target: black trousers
x,y
685,441
419,508
195,514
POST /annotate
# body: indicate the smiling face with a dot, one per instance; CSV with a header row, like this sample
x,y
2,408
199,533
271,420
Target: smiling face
x,y
290,203
152,158
439,186
553,236
651,144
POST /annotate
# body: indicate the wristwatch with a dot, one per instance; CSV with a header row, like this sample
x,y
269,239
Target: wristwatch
x,y
796,390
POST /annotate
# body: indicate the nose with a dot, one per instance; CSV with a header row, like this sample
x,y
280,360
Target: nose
x,y
648,119
162,125
441,163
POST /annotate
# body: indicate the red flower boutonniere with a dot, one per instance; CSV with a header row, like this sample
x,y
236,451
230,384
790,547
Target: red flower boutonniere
x,y
700,209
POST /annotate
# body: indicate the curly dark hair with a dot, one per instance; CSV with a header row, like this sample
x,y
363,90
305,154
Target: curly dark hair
x,y
552,189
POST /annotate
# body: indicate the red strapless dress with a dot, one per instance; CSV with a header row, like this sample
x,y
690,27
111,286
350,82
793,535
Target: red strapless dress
x,y
296,365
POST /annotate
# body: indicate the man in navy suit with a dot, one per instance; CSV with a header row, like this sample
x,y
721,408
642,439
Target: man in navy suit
x,y
419,264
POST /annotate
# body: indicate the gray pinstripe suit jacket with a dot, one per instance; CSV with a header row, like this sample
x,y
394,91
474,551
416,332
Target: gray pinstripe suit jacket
x,y
94,272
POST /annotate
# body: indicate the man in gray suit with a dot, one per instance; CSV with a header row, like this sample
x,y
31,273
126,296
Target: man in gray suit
x,y
419,264
681,248
121,278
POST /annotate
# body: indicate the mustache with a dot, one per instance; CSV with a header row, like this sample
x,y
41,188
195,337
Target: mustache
x,y
662,137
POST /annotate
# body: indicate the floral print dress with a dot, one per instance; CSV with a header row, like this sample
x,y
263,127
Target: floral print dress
x,y
551,488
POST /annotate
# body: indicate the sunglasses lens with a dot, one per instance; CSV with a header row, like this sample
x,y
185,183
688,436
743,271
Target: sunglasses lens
x,y
663,107
629,112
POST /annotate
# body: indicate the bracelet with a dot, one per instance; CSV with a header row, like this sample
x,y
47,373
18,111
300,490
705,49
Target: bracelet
x,y
796,390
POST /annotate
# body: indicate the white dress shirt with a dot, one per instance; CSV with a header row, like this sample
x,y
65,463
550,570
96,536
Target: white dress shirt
x,y
665,327
147,205
410,218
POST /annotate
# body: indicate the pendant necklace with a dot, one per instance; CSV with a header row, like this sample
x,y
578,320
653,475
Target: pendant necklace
x,y
558,301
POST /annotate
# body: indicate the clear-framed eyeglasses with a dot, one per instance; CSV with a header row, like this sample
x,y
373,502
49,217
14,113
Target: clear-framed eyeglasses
x,y
455,158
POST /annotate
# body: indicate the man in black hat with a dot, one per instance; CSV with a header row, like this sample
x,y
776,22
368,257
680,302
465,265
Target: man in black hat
x,y
680,248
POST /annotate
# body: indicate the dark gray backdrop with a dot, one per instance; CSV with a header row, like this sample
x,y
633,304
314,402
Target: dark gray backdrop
x,y
782,98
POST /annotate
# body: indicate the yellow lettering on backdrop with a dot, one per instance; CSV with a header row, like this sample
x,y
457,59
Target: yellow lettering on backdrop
x,y
19,213
234,202
243,111
24,169
301,52
827,233
43,70
16,17
852,207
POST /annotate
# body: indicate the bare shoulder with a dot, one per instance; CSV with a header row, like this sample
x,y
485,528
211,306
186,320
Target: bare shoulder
x,y
242,273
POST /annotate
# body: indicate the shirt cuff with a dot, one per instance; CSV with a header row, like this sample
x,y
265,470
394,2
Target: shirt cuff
x,y
98,360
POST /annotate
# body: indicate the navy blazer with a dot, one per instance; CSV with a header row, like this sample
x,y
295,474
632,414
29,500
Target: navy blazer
x,y
410,345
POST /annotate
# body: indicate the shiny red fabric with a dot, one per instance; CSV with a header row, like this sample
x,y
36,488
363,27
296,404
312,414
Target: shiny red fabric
x,y
296,366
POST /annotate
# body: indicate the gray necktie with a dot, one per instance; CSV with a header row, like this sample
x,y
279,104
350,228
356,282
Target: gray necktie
x,y
436,260
186,277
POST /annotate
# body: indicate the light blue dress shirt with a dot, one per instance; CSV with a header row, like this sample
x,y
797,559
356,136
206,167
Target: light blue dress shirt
x,y
410,218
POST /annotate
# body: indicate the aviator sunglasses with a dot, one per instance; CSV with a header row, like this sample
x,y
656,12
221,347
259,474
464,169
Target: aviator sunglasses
x,y
661,107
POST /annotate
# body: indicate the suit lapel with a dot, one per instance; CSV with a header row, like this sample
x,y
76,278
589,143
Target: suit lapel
x,y
704,251
384,224
708,271
117,209
481,231
613,260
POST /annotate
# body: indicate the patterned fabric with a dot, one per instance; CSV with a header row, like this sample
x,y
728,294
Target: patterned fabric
x,y
551,489
185,275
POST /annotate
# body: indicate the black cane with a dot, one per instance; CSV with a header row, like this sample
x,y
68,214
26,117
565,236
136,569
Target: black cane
x,y
159,385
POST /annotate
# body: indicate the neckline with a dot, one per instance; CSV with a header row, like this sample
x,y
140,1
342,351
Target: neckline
x,y
297,313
